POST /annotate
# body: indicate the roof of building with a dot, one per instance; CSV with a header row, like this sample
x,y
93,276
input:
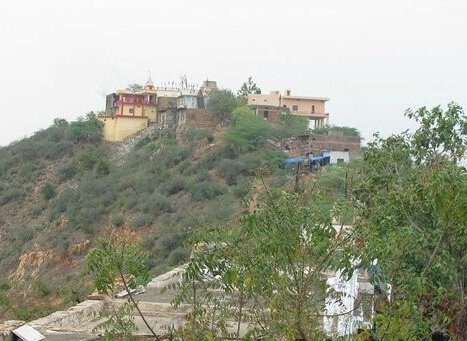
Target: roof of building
x,y
324,99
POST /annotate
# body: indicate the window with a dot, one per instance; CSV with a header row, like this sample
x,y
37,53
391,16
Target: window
x,y
294,107
312,109
266,115
346,149
131,110
340,160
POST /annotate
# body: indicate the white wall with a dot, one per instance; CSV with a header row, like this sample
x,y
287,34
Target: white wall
x,y
338,155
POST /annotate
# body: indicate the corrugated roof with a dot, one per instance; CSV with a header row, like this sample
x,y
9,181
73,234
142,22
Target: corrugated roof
x,y
28,333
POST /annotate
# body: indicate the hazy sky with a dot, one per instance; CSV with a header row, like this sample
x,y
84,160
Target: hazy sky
x,y
373,59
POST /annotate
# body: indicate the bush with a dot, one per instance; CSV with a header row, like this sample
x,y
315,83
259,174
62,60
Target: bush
x,y
85,130
194,134
242,189
27,170
11,194
156,204
48,191
140,220
231,169
169,242
68,171
174,185
206,190
89,158
43,288
178,256
117,220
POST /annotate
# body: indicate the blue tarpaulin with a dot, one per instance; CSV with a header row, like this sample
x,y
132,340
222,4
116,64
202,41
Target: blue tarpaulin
x,y
294,160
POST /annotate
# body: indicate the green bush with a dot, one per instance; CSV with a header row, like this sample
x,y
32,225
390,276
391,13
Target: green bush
x,y
142,142
231,170
48,191
27,170
67,171
89,158
102,167
43,288
156,204
169,242
117,220
140,220
85,130
206,190
242,189
174,185
11,194
178,256
194,134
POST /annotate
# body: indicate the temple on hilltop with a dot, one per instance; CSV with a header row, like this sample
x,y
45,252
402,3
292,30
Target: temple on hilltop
x,y
129,111
171,105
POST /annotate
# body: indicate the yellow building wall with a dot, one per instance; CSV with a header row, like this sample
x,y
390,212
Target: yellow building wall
x,y
151,113
138,110
117,128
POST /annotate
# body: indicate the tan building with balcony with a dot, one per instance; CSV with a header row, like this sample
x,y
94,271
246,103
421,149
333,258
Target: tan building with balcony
x,y
271,106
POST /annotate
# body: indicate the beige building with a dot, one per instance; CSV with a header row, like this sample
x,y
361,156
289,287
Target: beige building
x,y
270,107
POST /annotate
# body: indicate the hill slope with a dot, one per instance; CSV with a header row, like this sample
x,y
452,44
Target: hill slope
x,y
63,187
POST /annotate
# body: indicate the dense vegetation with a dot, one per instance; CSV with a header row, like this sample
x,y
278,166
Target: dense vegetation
x,y
63,187
406,201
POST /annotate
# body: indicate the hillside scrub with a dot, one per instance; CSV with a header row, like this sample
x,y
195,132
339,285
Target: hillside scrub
x,y
78,192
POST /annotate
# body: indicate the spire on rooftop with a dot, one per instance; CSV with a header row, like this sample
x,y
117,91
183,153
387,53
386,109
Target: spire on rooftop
x,y
149,83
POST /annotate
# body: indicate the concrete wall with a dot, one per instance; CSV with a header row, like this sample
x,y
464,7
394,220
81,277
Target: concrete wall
x,y
338,157
273,99
187,102
304,105
269,114
335,142
117,128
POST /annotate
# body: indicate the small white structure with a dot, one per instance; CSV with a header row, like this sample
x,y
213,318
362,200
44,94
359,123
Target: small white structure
x,y
28,333
337,156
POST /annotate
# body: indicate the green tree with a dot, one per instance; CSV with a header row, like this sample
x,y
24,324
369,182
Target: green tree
x,y
247,131
346,131
222,103
86,130
134,87
266,270
411,199
290,126
249,87
119,259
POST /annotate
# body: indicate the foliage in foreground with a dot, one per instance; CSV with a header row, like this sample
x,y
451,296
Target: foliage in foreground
x,y
407,203
411,197
119,259
266,270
